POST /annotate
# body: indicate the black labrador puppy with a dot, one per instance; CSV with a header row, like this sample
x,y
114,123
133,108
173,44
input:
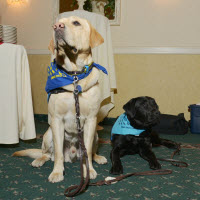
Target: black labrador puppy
x,y
132,133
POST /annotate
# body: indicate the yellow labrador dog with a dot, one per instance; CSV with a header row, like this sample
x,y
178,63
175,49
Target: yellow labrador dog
x,y
72,41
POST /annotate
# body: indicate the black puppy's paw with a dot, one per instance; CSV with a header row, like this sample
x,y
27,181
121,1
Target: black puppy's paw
x,y
155,165
116,170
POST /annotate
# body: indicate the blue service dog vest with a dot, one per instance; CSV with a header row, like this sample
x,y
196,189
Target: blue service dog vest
x,y
122,127
58,78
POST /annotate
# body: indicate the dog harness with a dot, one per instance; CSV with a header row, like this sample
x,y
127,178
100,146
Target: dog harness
x,y
59,77
122,127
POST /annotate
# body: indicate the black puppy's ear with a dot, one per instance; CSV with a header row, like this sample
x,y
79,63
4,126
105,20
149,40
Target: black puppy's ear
x,y
129,108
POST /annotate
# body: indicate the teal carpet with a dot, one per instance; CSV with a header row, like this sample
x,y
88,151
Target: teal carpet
x,y
19,180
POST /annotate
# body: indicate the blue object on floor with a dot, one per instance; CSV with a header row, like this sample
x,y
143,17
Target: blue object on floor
x,y
195,118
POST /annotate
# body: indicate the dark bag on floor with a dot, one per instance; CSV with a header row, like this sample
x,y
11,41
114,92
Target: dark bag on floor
x,y
172,125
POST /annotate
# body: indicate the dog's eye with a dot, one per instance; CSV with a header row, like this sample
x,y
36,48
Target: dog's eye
x,y
76,23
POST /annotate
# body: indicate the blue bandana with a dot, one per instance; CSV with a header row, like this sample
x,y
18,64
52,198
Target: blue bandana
x,y
122,127
58,78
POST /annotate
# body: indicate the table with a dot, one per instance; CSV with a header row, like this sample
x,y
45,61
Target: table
x,y
16,108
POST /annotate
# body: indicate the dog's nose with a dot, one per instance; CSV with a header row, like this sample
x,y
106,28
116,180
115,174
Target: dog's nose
x,y
58,26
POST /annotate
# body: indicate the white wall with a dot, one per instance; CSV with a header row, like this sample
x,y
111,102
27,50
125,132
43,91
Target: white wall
x,y
158,23
144,23
33,22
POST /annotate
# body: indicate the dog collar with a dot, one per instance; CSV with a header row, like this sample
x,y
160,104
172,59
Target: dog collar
x,y
123,127
59,77
85,69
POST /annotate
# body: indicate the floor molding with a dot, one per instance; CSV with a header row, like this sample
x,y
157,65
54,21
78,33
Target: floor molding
x,y
41,117
38,52
156,50
135,50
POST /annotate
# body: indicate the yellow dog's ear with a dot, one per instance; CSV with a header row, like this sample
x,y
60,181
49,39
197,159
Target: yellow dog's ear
x,y
51,46
95,38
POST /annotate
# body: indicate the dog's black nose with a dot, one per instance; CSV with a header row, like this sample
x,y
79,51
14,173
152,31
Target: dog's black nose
x,y
58,26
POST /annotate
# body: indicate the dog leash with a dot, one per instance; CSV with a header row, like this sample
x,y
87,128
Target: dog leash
x,y
119,178
77,189
176,163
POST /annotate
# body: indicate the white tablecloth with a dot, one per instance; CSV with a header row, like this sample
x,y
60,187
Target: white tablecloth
x,y
102,55
16,110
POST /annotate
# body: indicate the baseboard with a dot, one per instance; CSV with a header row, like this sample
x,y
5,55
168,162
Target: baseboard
x,y
156,50
109,121
41,117
135,50
44,118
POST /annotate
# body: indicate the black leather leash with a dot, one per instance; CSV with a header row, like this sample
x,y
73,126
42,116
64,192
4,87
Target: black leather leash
x,y
119,178
176,163
77,189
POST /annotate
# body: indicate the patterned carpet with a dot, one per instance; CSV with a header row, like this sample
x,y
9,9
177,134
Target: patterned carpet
x,y
18,180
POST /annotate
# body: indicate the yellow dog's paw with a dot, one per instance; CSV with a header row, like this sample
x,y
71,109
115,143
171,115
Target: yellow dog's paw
x,y
38,162
99,159
55,177
93,173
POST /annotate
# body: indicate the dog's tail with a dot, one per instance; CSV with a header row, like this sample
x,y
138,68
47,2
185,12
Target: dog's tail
x,y
33,153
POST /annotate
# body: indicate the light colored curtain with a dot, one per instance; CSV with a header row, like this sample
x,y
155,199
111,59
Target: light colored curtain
x,y
16,108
